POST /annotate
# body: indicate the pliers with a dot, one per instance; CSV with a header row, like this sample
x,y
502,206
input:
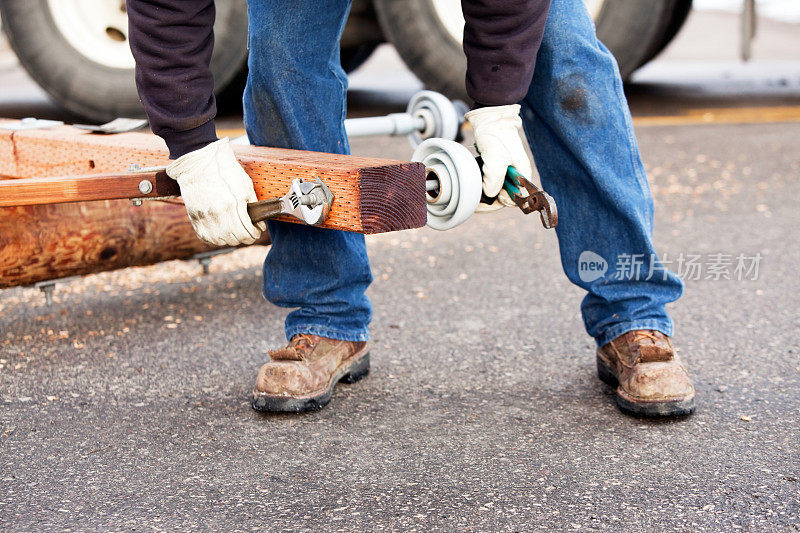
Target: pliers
x,y
535,199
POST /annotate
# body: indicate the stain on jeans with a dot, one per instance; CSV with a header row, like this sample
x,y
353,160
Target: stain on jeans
x,y
574,97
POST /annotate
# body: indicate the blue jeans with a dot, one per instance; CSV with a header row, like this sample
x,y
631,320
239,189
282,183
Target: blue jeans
x,y
579,127
296,98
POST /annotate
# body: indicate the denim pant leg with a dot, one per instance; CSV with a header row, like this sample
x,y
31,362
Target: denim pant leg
x,y
580,132
296,98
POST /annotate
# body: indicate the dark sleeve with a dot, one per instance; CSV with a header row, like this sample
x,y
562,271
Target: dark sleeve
x,y
172,41
501,40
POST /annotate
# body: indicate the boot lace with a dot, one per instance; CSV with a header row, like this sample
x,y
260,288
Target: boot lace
x,y
644,334
302,344
639,335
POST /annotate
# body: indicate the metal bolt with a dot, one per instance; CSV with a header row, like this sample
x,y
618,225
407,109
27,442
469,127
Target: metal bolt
x,y
145,187
134,167
47,289
205,262
136,202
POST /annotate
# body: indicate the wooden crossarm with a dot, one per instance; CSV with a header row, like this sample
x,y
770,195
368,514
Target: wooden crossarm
x,y
65,164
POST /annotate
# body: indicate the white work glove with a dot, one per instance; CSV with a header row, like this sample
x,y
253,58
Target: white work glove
x,y
216,190
497,137
503,200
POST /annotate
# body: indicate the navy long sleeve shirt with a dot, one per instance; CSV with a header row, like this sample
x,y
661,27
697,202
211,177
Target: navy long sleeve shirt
x,y
172,41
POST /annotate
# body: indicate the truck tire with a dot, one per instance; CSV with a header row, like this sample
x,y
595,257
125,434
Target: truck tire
x,y
81,60
361,36
633,30
229,99
353,57
680,13
427,33
427,46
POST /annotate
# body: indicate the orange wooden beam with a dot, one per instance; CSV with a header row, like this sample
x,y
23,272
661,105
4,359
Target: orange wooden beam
x,y
372,195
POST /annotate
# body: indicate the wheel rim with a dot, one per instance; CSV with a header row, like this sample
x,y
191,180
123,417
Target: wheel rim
x,y
452,19
450,16
594,7
97,29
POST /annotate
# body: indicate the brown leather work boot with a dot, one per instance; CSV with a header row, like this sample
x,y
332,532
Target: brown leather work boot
x,y
301,376
650,379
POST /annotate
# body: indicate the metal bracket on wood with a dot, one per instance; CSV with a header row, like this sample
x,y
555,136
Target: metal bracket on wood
x,y
204,258
145,186
31,123
118,125
48,287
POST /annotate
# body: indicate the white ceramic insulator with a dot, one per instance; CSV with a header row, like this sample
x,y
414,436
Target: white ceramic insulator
x,y
459,179
440,116
427,119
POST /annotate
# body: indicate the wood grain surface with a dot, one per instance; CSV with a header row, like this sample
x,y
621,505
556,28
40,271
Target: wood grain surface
x,y
43,242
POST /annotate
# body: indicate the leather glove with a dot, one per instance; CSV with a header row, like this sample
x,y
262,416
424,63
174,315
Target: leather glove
x,y
216,190
497,137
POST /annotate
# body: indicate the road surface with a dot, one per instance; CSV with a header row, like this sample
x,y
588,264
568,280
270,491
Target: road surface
x,y
125,405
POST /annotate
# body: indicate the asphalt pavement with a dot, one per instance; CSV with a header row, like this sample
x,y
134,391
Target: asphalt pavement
x,y
125,405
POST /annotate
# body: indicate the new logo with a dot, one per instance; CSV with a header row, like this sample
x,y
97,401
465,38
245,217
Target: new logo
x,y
591,266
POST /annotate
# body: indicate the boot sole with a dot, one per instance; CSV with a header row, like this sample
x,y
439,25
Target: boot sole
x,y
671,408
348,373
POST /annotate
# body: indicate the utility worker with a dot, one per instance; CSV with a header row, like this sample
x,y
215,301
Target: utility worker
x,y
529,62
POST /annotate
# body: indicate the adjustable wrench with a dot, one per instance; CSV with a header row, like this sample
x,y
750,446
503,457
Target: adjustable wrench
x,y
307,201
